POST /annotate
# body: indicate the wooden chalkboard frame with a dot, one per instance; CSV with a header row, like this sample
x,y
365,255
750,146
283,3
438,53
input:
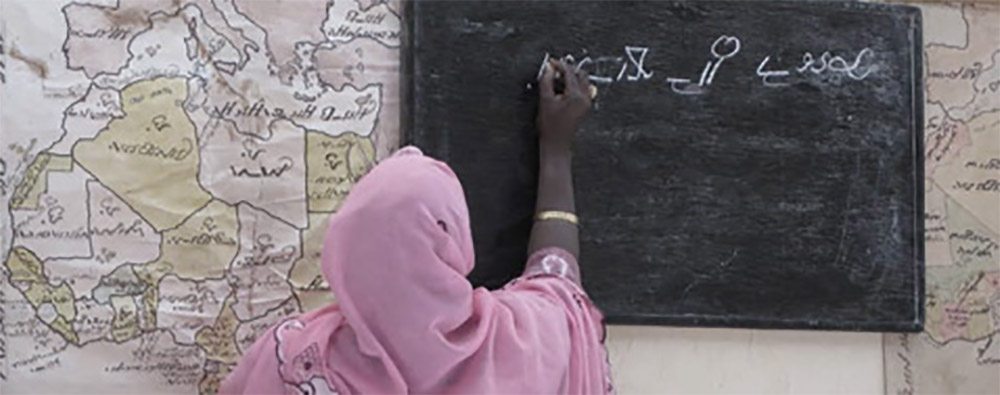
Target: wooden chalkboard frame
x,y
437,145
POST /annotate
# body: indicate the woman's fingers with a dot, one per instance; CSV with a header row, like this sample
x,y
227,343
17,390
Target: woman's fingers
x,y
571,83
583,77
546,87
590,90
575,82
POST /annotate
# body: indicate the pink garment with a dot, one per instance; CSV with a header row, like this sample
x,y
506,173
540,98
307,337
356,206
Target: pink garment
x,y
406,319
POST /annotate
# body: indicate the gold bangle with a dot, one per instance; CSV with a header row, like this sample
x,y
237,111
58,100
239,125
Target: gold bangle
x,y
557,215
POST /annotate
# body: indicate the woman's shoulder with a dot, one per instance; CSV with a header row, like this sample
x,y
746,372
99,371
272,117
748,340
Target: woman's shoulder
x,y
300,344
288,355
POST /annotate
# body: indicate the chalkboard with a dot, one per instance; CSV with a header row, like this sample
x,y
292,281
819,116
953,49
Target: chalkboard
x,y
752,164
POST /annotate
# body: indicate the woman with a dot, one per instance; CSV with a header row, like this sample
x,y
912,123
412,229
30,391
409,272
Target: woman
x,y
406,319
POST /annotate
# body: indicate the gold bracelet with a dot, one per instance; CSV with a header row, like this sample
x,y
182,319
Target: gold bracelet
x,y
557,215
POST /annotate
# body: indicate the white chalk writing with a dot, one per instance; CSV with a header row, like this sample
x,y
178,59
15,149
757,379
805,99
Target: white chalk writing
x,y
640,70
608,69
723,48
766,75
633,67
836,64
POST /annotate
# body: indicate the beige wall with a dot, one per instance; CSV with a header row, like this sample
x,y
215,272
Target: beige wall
x,y
737,361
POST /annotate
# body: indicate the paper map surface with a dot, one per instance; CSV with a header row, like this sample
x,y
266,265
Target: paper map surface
x,y
168,171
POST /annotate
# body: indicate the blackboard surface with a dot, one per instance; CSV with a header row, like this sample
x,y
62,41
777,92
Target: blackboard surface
x,y
753,164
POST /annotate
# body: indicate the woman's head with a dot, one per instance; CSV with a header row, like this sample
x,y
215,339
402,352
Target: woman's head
x,y
397,252
407,199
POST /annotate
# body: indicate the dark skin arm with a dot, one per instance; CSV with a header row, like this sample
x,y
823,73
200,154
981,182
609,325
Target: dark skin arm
x,y
559,116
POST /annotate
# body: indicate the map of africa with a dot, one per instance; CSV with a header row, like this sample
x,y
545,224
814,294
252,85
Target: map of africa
x,y
168,168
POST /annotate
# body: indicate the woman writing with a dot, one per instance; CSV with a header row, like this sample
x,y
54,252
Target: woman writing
x,y
406,320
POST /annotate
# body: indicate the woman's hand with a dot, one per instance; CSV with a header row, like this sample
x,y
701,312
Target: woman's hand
x,y
560,112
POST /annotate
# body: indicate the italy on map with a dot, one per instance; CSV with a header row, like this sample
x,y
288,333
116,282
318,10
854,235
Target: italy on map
x,y
167,172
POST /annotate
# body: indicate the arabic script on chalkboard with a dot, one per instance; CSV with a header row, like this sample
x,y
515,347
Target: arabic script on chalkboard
x,y
632,67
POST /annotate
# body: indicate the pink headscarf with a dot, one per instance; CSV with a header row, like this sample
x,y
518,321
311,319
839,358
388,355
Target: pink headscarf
x,y
406,319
